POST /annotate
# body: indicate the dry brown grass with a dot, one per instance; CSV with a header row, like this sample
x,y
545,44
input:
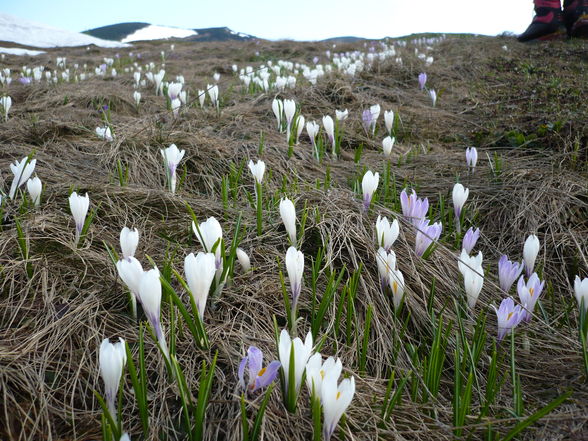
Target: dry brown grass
x,y
52,324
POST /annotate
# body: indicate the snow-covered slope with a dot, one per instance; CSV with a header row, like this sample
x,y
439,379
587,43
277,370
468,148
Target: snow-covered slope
x,y
154,32
19,51
29,33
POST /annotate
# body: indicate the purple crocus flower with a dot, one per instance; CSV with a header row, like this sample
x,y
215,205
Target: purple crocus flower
x,y
367,119
259,377
426,234
413,208
508,315
422,80
529,294
470,239
315,60
103,68
508,272
24,80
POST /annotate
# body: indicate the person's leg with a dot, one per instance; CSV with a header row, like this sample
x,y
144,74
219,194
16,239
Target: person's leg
x,y
576,17
547,24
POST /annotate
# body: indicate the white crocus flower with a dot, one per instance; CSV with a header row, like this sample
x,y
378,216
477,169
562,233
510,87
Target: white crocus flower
x,y
530,252
369,184
172,157
335,400
473,276
22,171
278,109
104,133
35,187
288,214
200,271
112,359
129,239
209,234
387,145
389,120
581,291
257,170
79,206
386,232
317,371
341,115
302,352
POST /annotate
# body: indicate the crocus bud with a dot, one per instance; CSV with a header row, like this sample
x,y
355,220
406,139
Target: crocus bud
x,y
397,287
176,103
35,187
150,296
473,276
137,97
129,239
508,272
295,269
471,157
201,97
112,358
341,115
243,260
422,80
289,110
288,214
209,234
329,126
369,184
213,94
22,171
79,209
257,170
387,145
581,292
200,271
433,96
389,120
530,252
386,232
460,195
299,127
6,103
469,239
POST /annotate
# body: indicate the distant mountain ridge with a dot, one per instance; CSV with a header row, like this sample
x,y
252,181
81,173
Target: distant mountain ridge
x,y
138,31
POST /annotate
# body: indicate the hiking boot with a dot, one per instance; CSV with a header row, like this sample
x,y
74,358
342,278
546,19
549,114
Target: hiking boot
x,y
576,18
547,24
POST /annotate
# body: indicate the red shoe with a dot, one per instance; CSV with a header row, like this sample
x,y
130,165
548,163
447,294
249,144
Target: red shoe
x,y
548,22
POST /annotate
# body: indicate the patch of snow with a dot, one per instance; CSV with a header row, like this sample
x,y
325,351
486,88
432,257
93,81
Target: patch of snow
x,y
19,51
154,32
29,33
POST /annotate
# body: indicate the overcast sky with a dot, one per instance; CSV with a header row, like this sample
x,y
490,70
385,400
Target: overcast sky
x,y
294,19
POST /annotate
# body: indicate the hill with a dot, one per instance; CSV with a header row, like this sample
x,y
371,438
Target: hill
x,y
427,365
137,31
27,33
